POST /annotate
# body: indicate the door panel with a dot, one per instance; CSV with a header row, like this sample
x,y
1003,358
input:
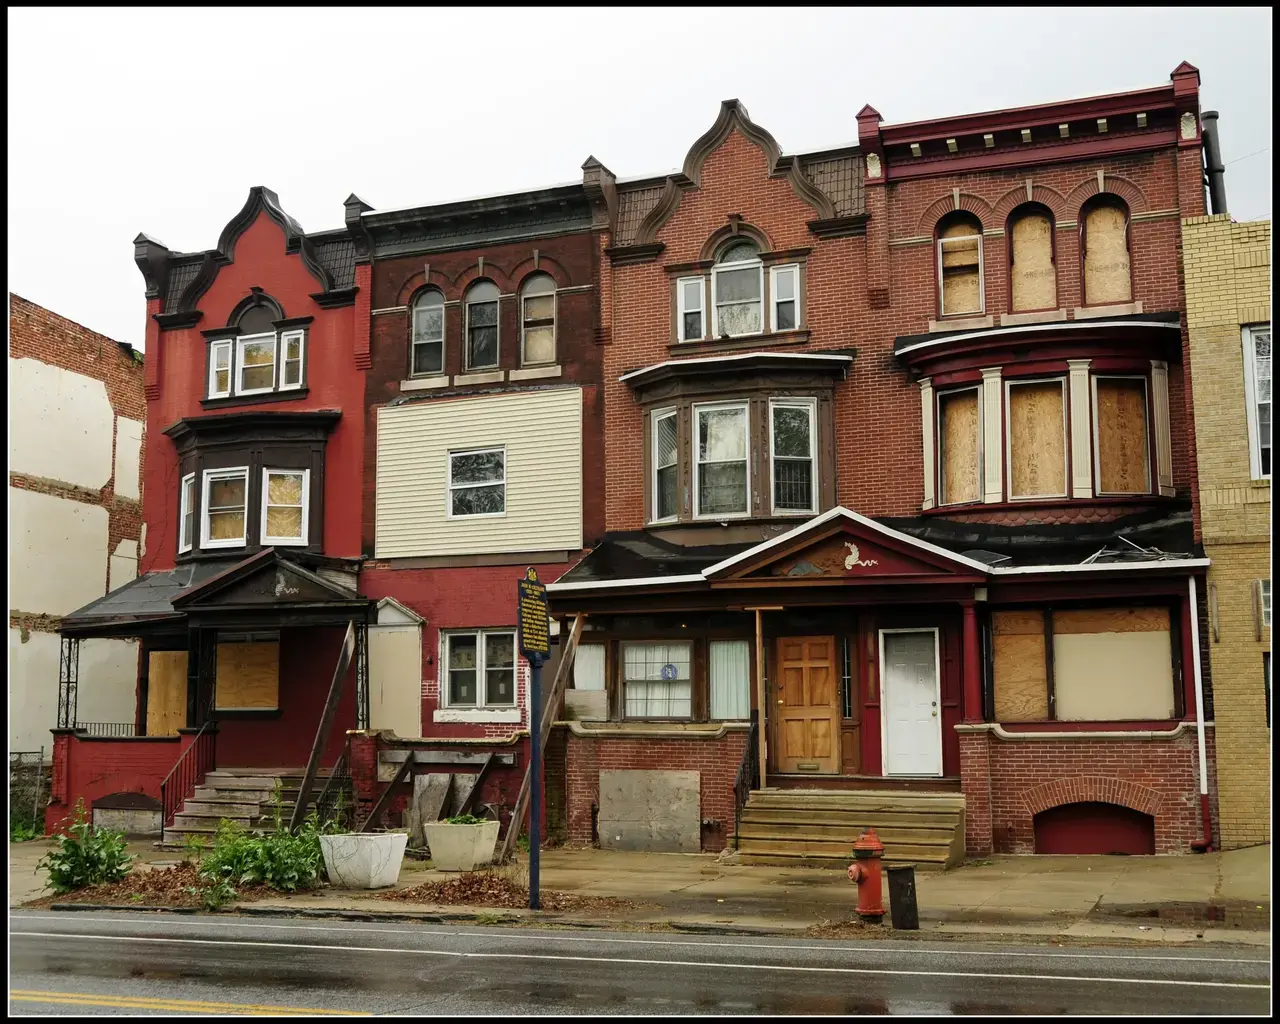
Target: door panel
x,y
166,692
807,724
395,680
913,735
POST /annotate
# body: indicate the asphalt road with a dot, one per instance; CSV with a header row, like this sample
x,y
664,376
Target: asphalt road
x,y
87,963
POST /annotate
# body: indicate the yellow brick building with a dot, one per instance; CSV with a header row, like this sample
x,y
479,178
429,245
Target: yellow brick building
x,y
1228,282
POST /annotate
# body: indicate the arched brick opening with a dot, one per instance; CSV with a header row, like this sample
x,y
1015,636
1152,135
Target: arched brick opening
x,y
1094,827
1091,789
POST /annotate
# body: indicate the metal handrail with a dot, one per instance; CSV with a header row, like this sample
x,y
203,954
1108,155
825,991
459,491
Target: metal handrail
x,y
127,730
747,779
195,763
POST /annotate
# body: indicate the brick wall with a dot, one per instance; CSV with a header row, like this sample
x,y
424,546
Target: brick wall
x,y
89,768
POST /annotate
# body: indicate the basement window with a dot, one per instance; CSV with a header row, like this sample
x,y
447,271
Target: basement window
x,y
959,251
1036,439
481,668
657,680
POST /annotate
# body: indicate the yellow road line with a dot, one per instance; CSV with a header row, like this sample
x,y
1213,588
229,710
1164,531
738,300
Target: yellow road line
x,y
160,1003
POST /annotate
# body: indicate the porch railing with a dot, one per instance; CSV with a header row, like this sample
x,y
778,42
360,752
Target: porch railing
x,y
195,763
333,803
110,729
748,778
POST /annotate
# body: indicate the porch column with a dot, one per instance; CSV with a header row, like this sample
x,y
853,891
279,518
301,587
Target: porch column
x,y
760,693
972,665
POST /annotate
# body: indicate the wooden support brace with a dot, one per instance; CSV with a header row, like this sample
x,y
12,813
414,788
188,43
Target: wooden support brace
x,y
469,802
383,800
325,727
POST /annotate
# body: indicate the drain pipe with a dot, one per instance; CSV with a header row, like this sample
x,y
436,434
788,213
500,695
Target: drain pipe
x,y
1213,165
1204,844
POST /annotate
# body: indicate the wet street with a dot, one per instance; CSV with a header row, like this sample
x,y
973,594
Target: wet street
x,y
86,963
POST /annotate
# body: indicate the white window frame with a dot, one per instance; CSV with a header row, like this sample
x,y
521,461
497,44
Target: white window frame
x,y
1146,426
210,475
418,307
698,409
249,339
810,405
1009,384
622,681
681,309
306,507
555,316
1247,338
716,271
482,677
186,499
282,351
654,418
982,277
940,453
497,333
214,346
450,487
1264,601
774,274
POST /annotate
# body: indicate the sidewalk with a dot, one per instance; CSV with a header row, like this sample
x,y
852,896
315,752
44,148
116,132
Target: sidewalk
x,y
1223,897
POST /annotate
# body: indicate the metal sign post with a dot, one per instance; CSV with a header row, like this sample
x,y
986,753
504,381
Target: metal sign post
x,y
535,645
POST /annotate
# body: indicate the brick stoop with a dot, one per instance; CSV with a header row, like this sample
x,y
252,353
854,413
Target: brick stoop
x,y
242,796
817,828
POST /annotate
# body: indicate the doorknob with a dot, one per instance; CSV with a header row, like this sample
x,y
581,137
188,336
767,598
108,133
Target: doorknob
x,y
780,701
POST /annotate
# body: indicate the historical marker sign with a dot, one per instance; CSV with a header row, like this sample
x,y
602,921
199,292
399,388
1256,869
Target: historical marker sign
x,y
531,601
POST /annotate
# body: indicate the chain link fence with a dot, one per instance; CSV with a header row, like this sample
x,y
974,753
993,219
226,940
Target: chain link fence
x,y
28,793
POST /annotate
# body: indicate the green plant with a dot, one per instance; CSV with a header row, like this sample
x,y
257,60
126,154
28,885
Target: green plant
x,y
464,819
215,895
193,846
280,859
23,832
86,856
522,842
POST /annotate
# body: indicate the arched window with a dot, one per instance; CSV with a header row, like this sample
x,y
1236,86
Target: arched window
x,y
1104,243
428,333
257,320
482,326
737,290
538,321
959,250
1032,279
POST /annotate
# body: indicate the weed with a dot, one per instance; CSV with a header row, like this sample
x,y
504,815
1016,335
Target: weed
x,y
488,918
465,819
193,846
87,856
280,859
22,832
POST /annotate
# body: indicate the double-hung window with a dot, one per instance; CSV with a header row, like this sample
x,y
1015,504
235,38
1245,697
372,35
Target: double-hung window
x,y
794,463
691,304
428,333
657,680
1257,382
721,486
290,360
737,290
284,506
538,321
665,462
482,326
1264,601
255,364
220,369
187,512
478,482
480,669
225,501
784,298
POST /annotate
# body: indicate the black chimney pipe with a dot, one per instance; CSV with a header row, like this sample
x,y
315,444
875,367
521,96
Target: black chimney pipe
x,y
1213,162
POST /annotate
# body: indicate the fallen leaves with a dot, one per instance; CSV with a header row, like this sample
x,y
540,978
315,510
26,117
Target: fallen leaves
x,y
491,889
159,887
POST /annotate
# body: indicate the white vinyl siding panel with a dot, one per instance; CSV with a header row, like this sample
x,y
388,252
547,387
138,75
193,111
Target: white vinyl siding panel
x,y
542,434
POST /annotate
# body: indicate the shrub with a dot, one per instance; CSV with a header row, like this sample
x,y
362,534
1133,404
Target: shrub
x,y
23,832
278,859
87,856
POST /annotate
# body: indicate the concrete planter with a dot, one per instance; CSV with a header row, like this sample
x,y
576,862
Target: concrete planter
x,y
369,860
461,847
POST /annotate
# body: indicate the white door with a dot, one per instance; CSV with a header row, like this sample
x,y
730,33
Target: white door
x,y
910,713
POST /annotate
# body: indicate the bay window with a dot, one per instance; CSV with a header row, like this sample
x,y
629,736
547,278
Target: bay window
x,y
480,669
959,446
1121,458
794,465
224,503
665,458
721,486
186,512
657,680
1036,439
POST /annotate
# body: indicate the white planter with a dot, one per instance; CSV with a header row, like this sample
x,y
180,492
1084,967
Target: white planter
x,y
460,847
366,860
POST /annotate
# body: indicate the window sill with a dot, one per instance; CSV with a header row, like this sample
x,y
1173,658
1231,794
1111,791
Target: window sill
x,y
476,715
1044,316
479,377
535,372
424,383
746,343
267,396
961,323
1097,312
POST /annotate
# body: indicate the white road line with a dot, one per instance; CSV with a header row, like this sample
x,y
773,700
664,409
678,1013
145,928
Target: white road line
x,y
516,935
794,968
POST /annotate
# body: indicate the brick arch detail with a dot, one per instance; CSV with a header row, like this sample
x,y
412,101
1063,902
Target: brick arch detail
x,y
946,204
525,269
492,272
1043,194
1091,789
722,234
416,284
1112,183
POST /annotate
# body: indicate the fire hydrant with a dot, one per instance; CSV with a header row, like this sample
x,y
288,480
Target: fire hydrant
x,y
865,873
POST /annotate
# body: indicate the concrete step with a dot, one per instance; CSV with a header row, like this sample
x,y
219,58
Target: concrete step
x,y
212,792
850,818
830,863
846,836
223,780
822,847
214,820
867,799
230,808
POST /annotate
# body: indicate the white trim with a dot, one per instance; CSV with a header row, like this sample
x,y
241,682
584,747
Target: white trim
x,y
681,310
730,268
390,604
1168,563
810,405
1001,331
1247,343
186,506
388,309
698,409
940,454
1081,432
251,339
421,306
774,274
884,700
214,346
738,357
466,713
536,372
306,507
1009,385
450,487
992,434
555,310
654,417
982,288
1146,432
1194,619
1077,734
635,581
229,473
482,705
283,352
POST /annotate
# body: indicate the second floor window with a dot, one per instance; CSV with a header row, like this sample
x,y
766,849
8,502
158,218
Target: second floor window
x,y
482,326
737,289
1257,380
284,506
1104,242
428,333
1121,445
1032,278
538,321
665,459
795,467
256,364
478,482
959,446
1036,438
720,471
225,503
187,513
691,304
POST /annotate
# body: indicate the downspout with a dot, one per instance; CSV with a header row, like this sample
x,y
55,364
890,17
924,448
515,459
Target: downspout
x,y
1213,165
1205,843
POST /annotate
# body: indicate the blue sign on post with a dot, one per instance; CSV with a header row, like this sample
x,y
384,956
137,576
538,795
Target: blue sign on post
x,y
534,627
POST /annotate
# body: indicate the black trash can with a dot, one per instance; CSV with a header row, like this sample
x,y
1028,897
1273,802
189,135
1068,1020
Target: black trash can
x,y
902,896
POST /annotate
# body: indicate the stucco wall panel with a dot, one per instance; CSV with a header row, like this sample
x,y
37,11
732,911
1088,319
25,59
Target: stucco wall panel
x,y
58,552
128,482
62,425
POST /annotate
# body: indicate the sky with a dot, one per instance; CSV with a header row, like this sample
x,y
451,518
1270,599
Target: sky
x,y
161,119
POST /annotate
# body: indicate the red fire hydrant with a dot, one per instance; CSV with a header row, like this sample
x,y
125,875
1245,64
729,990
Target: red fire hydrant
x,y
865,873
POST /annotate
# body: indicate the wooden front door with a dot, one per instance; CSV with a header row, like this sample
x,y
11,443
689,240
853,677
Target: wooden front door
x,y
808,726
166,693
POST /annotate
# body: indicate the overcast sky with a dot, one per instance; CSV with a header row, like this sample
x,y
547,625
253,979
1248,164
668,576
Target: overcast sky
x,y
160,119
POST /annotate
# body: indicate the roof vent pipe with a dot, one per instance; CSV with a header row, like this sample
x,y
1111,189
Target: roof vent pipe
x,y
1213,162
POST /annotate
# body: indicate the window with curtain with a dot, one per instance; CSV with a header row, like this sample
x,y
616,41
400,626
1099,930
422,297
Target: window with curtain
x,y
959,447
665,462
960,265
482,325
588,667
729,669
1121,450
1032,280
737,287
428,333
1037,439
538,321
657,680
791,426
1104,229
722,460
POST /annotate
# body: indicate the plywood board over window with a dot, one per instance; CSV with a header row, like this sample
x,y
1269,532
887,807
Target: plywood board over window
x,y
166,692
1123,451
958,429
1018,672
1113,664
960,257
248,676
1037,440
1106,256
1032,272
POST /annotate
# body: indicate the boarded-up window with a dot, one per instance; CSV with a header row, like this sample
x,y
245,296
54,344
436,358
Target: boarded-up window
x,y
1031,271
1018,666
1112,664
1106,253
959,461
248,676
960,266
1037,440
1120,411
166,692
